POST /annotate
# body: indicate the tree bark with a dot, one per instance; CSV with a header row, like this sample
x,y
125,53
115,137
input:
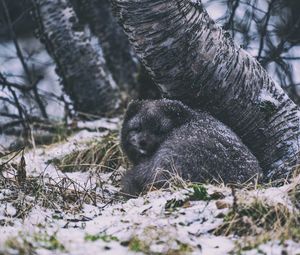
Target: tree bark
x,y
78,57
194,61
120,57
116,47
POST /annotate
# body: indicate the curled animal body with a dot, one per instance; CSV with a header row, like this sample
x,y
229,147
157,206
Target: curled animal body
x,y
163,138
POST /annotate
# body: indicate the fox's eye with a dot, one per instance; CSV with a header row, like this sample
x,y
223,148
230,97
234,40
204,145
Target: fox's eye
x,y
161,130
157,131
135,128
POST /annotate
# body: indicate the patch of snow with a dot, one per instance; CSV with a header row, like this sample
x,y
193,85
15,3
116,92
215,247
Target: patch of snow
x,y
216,245
266,96
106,123
145,218
276,248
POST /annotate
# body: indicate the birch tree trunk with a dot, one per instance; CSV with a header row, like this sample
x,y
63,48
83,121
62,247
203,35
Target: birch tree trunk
x,y
78,57
117,50
121,59
194,61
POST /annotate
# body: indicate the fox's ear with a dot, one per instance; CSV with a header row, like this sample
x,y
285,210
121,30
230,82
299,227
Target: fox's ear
x,y
133,107
178,112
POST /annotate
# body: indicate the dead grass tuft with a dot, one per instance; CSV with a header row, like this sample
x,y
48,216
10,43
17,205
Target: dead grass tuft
x,y
294,194
102,155
60,193
258,222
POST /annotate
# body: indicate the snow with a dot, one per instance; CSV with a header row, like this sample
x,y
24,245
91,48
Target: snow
x,y
97,124
266,96
216,245
144,218
215,9
275,248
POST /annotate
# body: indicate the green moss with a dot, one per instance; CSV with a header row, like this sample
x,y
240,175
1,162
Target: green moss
x,y
199,192
49,242
174,203
158,236
27,245
268,108
103,237
137,245
184,248
19,246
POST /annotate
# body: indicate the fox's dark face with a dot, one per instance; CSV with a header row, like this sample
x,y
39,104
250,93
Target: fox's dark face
x,y
147,124
145,133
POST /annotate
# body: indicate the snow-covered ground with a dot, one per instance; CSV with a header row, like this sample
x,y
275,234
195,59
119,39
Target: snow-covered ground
x,y
100,221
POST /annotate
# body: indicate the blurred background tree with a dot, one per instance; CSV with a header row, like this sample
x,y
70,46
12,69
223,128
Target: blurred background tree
x,y
270,31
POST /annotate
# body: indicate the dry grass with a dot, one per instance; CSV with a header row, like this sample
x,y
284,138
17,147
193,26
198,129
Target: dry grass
x,y
254,221
102,155
294,192
258,221
63,193
60,193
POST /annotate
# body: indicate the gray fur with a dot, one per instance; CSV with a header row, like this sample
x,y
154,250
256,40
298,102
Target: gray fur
x,y
193,144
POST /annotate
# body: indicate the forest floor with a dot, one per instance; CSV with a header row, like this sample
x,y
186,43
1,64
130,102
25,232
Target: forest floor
x,y
64,198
